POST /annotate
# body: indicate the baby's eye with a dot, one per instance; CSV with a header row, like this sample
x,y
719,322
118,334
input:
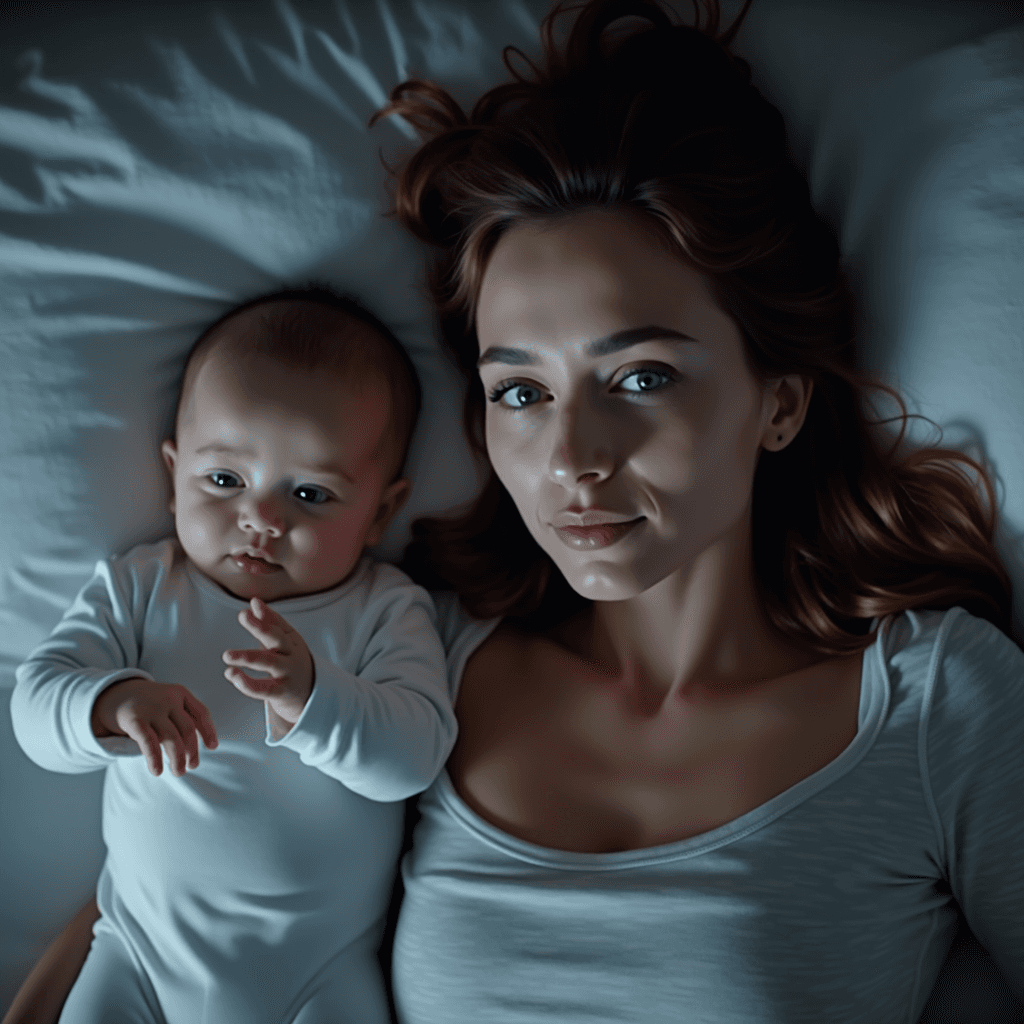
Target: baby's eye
x,y
647,379
311,495
221,479
519,392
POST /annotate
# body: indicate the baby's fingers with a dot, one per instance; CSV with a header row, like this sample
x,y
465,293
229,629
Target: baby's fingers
x,y
203,720
186,754
251,687
149,743
260,661
263,623
176,739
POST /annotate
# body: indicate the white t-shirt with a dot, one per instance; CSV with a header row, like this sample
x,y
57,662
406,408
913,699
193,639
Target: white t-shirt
x,y
244,879
834,901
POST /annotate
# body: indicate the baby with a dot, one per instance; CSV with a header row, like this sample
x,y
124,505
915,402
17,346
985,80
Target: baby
x,y
252,885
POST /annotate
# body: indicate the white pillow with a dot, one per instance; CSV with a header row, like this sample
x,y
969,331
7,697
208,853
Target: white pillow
x,y
160,162
907,119
924,173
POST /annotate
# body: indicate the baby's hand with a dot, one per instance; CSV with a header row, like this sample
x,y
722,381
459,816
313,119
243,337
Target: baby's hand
x,y
156,715
285,657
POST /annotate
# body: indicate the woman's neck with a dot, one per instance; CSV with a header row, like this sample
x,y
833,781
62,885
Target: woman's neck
x,y
698,636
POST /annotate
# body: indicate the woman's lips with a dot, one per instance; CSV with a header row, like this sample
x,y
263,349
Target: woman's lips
x,y
589,538
256,566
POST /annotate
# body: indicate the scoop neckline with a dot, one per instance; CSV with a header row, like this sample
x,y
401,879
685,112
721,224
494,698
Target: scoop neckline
x,y
873,708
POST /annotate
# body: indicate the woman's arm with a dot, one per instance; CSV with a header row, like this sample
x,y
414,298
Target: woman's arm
x,y
41,998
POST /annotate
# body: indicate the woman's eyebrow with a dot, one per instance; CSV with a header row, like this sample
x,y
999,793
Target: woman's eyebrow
x,y
601,347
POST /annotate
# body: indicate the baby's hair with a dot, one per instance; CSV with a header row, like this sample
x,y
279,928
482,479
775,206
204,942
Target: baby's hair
x,y
311,329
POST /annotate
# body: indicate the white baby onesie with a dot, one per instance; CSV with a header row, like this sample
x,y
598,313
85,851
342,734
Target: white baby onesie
x,y
255,887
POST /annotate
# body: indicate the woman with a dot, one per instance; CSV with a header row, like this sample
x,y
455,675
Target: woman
x,y
739,713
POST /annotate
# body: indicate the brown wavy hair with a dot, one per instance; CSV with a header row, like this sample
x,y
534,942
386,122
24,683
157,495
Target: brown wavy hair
x,y
664,119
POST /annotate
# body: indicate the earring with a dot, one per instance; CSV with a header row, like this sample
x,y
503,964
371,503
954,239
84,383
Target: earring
x,y
780,437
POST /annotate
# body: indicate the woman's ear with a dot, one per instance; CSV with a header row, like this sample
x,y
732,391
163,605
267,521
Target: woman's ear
x,y
169,450
791,396
392,498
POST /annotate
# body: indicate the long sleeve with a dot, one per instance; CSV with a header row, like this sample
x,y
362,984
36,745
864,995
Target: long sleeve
x,y
975,753
94,645
384,730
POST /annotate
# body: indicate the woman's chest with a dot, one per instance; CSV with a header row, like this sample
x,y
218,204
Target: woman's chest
x,y
549,756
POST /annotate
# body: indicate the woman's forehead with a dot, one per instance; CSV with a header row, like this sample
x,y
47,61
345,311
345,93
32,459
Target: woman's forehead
x,y
595,231
592,274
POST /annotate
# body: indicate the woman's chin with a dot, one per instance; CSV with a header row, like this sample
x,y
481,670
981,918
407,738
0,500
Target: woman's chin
x,y
603,582
606,579
607,569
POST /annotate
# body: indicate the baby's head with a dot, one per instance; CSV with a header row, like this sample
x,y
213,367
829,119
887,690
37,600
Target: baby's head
x,y
293,422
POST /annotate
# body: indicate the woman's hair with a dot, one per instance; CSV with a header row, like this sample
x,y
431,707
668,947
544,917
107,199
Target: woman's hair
x,y
664,120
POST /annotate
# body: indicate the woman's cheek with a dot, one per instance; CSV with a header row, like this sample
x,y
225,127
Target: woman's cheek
x,y
667,462
519,462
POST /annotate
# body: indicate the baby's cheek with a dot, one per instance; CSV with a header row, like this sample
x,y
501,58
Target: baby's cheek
x,y
197,528
305,542
324,544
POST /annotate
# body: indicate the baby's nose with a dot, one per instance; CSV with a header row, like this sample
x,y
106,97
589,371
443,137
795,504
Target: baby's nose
x,y
262,517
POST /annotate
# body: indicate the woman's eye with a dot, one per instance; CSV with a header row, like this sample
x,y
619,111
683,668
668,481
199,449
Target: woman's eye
x,y
514,395
646,380
220,479
311,495
519,392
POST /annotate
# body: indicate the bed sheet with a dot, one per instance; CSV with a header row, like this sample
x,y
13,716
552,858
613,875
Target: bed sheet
x,y
160,162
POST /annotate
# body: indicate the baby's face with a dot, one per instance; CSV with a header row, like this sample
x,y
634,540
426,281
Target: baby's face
x,y
275,488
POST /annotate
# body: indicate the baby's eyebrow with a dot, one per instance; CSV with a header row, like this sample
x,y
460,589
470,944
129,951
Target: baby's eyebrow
x,y
601,347
222,450
325,470
329,471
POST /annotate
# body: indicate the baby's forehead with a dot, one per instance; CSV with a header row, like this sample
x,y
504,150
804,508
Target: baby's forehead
x,y
298,335
270,373
326,347
254,393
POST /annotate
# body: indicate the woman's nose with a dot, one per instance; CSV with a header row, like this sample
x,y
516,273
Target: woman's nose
x,y
262,516
581,448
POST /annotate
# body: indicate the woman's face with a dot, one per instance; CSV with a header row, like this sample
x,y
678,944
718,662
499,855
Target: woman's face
x,y
616,385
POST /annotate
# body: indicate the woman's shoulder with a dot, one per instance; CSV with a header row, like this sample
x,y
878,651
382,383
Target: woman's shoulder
x,y
452,618
968,673
963,680
979,663
461,633
962,644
